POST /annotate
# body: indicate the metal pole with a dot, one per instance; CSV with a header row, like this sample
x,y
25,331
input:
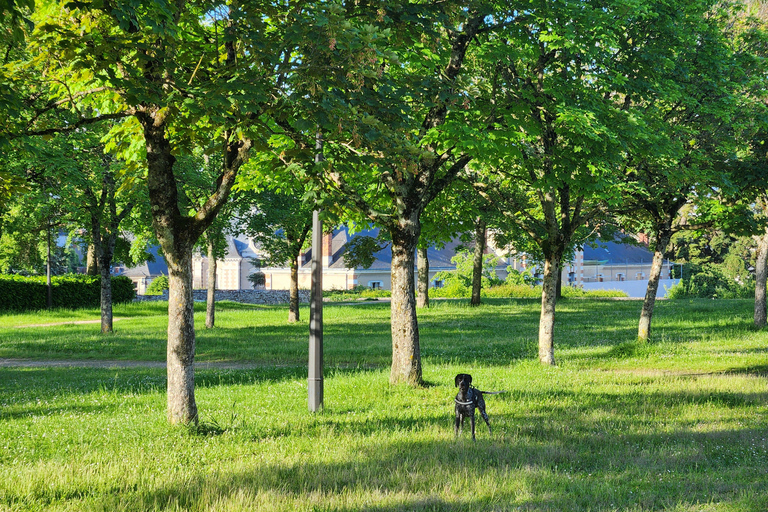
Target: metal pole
x,y
315,378
316,318
49,299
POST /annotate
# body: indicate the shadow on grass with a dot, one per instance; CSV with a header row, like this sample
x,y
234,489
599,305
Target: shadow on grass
x,y
652,472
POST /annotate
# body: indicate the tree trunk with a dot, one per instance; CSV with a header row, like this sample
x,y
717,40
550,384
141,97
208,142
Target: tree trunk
x,y
761,275
644,328
106,299
177,236
548,302
477,262
210,302
181,339
406,354
422,299
92,261
293,300
105,250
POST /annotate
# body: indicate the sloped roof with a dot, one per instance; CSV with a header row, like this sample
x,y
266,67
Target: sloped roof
x,y
608,253
149,268
438,257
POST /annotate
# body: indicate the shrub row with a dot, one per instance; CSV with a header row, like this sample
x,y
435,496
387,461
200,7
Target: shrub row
x,y
519,291
71,291
456,290
710,282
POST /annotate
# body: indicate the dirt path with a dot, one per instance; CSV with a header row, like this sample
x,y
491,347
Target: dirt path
x,y
32,363
75,322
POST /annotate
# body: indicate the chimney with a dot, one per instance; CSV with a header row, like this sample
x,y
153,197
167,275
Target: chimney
x,y
328,249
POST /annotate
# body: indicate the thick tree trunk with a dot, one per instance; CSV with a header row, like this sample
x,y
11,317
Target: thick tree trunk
x,y
181,339
210,302
761,275
422,299
106,299
106,250
548,302
477,262
406,354
293,300
91,261
177,236
644,328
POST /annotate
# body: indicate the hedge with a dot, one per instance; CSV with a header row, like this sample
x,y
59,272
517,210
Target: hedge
x,y
71,291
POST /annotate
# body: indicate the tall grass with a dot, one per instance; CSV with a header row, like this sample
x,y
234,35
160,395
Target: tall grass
x,y
678,424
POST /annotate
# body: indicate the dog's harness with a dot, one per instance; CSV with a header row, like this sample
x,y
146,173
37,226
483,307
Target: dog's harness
x,y
470,395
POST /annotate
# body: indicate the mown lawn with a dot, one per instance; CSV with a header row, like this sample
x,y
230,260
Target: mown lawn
x,y
678,424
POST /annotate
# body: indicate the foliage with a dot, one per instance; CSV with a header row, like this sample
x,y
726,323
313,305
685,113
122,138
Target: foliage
x,y
360,251
573,291
73,291
257,279
462,276
357,293
515,277
520,291
710,281
157,286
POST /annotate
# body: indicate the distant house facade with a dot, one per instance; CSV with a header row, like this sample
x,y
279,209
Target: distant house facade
x,y
232,271
336,275
606,262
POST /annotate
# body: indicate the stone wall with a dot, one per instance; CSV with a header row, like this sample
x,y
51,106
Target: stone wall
x,y
244,296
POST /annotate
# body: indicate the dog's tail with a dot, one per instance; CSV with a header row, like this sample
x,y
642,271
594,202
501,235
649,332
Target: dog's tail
x,y
492,392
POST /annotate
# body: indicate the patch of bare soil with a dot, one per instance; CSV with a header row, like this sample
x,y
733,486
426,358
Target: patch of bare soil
x,y
75,322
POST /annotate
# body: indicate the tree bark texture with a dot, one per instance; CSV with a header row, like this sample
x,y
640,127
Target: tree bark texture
x,y
101,261
422,298
644,327
406,354
106,251
182,407
177,237
91,261
210,302
761,276
293,300
477,262
548,302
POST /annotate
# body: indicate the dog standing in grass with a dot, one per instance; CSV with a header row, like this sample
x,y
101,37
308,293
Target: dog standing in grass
x,y
467,400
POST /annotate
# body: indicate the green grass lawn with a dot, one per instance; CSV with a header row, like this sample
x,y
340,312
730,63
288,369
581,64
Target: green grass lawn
x,y
679,424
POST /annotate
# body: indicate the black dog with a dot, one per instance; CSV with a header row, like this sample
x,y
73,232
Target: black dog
x,y
467,400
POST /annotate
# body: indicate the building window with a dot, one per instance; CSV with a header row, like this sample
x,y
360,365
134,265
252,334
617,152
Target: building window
x,y
374,285
439,283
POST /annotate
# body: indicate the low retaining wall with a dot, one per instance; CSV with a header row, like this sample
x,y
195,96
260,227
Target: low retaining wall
x,y
271,297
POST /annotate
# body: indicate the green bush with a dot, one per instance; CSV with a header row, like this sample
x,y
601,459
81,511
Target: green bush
x,y
572,291
72,291
358,292
452,289
157,286
368,293
519,291
709,282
